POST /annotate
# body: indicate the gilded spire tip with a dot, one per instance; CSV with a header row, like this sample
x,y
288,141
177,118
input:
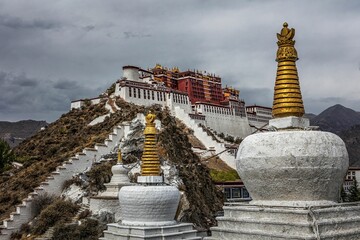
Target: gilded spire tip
x,y
119,160
150,165
287,95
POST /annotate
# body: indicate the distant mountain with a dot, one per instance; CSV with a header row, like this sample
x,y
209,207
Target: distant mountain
x,y
351,137
336,119
309,115
16,132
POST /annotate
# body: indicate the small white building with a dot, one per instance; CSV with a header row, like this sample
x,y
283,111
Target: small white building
x,y
258,116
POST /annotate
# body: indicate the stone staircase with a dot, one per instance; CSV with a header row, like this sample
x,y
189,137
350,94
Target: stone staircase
x,y
81,162
207,140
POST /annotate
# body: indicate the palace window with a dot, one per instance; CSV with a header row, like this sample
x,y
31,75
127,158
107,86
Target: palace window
x,y
130,90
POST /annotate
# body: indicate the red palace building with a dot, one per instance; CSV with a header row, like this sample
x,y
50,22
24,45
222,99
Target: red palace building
x,y
200,87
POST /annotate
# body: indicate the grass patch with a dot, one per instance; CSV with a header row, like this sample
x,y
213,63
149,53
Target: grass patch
x,y
224,176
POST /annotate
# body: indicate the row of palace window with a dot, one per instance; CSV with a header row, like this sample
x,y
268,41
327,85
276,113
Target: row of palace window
x,y
178,98
146,94
155,95
219,110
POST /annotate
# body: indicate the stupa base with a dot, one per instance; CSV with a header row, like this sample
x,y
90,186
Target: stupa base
x,y
124,232
250,222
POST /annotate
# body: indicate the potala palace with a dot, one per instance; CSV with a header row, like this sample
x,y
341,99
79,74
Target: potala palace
x,y
196,98
190,94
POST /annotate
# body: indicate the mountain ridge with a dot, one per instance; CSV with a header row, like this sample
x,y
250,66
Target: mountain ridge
x,y
336,119
15,132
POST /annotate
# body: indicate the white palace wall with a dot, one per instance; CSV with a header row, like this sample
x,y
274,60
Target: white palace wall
x,y
140,94
220,119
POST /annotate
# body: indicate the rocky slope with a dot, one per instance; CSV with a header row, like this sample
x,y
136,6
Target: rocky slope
x,y
336,119
47,149
351,137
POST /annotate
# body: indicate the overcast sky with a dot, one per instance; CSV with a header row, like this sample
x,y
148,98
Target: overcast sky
x,y
52,52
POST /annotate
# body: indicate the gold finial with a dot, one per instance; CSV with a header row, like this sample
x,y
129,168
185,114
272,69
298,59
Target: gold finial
x,y
150,165
175,69
287,96
158,66
119,160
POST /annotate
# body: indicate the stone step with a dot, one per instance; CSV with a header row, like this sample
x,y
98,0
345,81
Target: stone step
x,y
177,231
164,236
341,234
237,233
6,232
346,210
14,216
61,168
100,145
39,190
266,225
75,158
343,223
245,212
20,207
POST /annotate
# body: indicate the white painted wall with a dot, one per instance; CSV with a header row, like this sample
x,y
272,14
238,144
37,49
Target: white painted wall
x,y
205,138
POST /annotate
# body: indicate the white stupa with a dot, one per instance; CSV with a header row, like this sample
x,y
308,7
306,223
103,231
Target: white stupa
x,y
293,174
108,200
147,210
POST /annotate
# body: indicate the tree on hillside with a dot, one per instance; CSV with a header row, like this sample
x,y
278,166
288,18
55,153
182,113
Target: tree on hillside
x,y
343,195
354,193
6,155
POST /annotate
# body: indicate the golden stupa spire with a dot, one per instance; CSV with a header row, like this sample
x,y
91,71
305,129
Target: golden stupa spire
x,y
287,96
119,160
150,165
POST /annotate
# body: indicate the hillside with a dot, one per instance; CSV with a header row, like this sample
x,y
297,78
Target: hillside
x,y
16,132
336,119
351,137
47,149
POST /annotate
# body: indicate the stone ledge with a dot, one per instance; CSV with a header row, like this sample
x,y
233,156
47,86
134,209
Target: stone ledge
x,y
289,122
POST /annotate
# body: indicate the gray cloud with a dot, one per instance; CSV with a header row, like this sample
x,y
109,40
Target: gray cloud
x,y
89,28
31,98
130,34
18,23
65,84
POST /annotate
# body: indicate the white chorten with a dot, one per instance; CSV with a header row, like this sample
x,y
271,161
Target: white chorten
x,y
148,209
108,200
293,174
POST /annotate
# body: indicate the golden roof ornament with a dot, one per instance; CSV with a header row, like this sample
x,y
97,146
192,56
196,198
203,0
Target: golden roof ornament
x,y
287,95
158,66
175,70
150,165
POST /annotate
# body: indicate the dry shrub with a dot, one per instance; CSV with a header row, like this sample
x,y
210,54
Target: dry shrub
x,y
90,229
204,198
59,211
98,175
41,202
74,180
